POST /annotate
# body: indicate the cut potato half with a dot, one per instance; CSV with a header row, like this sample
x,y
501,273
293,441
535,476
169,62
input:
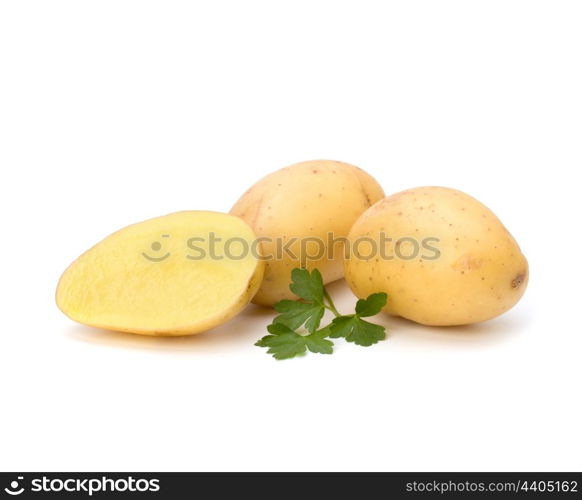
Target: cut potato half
x,y
180,274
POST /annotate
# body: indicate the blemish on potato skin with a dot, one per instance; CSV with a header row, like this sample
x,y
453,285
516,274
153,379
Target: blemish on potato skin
x,y
467,263
518,280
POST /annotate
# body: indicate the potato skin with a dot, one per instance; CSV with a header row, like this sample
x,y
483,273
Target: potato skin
x,y
480,273
311,199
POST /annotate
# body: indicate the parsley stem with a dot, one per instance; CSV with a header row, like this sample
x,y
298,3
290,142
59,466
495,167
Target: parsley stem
x,y
331,305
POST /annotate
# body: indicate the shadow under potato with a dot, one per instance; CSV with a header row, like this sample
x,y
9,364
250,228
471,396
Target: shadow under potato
x,y
245,329
487,332
249,326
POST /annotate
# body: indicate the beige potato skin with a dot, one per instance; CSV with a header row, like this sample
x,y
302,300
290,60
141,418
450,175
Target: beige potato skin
x,y
309,199
480,274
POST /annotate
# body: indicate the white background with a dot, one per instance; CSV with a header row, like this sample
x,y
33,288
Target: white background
x,y
112,112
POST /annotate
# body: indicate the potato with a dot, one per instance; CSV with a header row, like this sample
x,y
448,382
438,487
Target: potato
x,y
309,206
450,262
165,276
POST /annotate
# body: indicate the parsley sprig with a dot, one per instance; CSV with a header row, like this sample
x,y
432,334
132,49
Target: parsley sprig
x,y
297,328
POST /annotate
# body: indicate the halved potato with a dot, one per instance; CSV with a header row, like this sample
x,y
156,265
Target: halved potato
x,y
180,274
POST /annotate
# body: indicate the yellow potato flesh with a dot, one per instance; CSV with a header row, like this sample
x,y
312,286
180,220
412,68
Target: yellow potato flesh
x,y
479,274
148,278
313,199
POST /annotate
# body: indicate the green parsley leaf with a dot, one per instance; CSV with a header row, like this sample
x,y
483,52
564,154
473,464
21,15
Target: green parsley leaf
x,y
356,330
307,286
316,342
372,305
295,313
284,343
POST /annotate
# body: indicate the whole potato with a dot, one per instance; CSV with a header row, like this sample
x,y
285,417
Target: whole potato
x,y
450,260
307,208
